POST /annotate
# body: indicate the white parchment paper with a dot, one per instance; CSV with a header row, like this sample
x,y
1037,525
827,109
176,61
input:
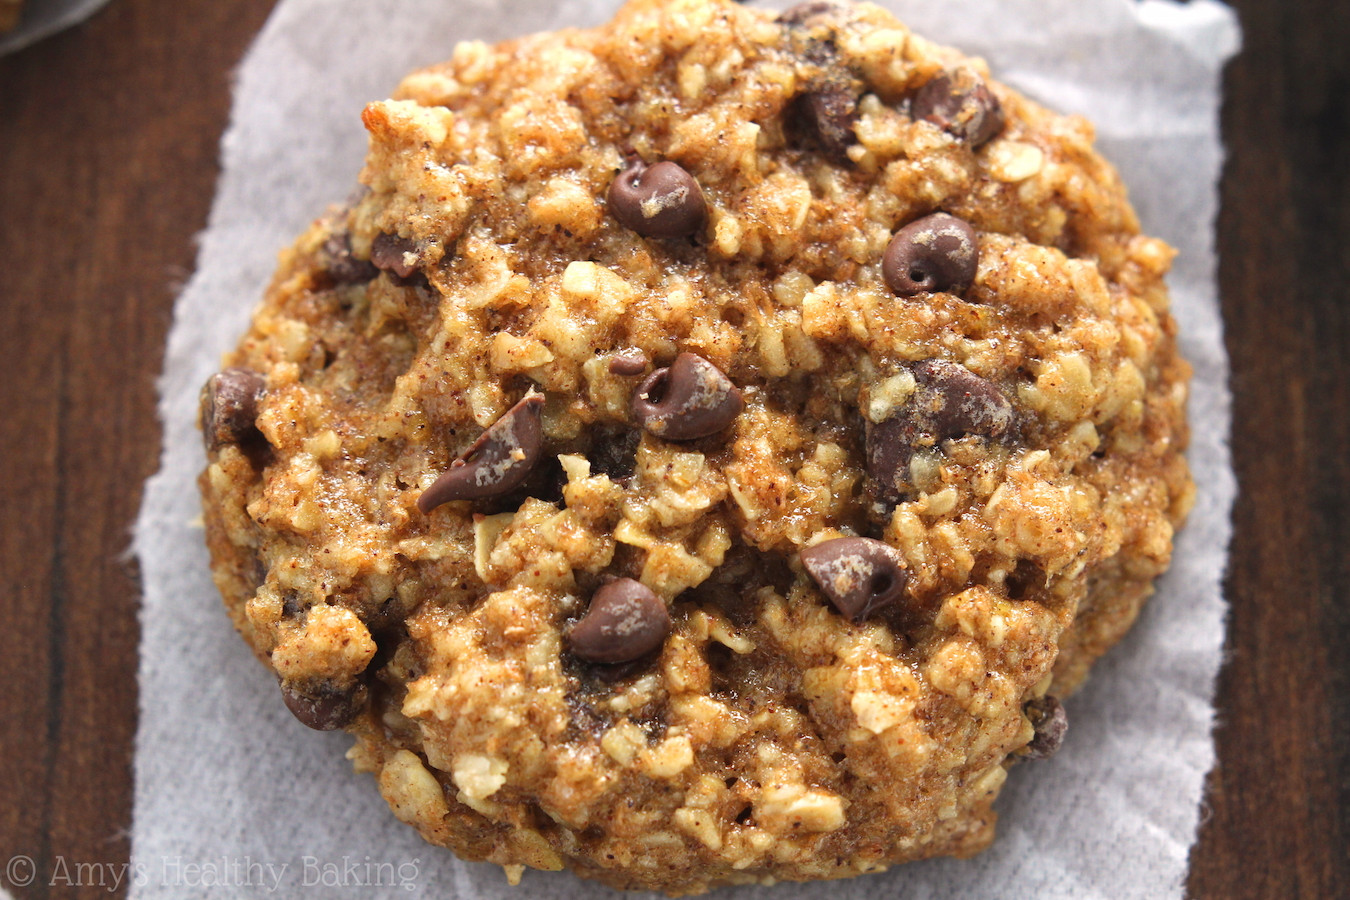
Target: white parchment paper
x,y
234,798
43,17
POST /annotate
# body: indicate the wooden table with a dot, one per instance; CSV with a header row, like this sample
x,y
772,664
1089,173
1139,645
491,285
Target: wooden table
x,y
108,159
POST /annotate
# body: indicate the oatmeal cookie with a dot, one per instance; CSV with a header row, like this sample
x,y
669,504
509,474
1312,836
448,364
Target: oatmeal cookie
x,y
705,449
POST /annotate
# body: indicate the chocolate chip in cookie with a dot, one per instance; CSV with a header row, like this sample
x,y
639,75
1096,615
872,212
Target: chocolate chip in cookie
x,y
498,462
625,622
690,399
229,408
613,452
959,102
826,117
825,114
954,401
323,706
949,401
858,575
661,200
396,255
628,362
341,266
935,253
1051,722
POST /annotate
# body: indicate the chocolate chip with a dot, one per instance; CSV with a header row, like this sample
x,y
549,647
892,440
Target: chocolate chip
x,y
890,447
858,575
1051,722
689,400
291,605
825,117
949,401
323,706
825,113
657,201
954,401
339,263
631,361
625,621
613,452
499,461
935,253
960,103
1028,580
229,408
397,255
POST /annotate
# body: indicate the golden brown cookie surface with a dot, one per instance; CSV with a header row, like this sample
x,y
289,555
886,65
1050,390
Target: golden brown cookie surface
x,y
687,460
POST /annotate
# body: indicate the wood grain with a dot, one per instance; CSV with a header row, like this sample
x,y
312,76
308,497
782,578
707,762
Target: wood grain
x,y
108,144
108,149
1279,800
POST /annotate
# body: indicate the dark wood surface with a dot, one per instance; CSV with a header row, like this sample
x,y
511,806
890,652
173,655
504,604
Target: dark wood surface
x,y
108,159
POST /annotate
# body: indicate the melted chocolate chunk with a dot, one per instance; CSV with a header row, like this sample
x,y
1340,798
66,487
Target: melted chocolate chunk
x,y
498,462
613,452
339,263
632,361
935,253
960,103
825,117
323,706
858,575
1051,722
662,200
625,621
229,408
949,401
397,255
291,605
689,400
954,401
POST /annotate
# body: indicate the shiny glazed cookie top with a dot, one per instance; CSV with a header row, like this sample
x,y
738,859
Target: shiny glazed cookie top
x,y
685,459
